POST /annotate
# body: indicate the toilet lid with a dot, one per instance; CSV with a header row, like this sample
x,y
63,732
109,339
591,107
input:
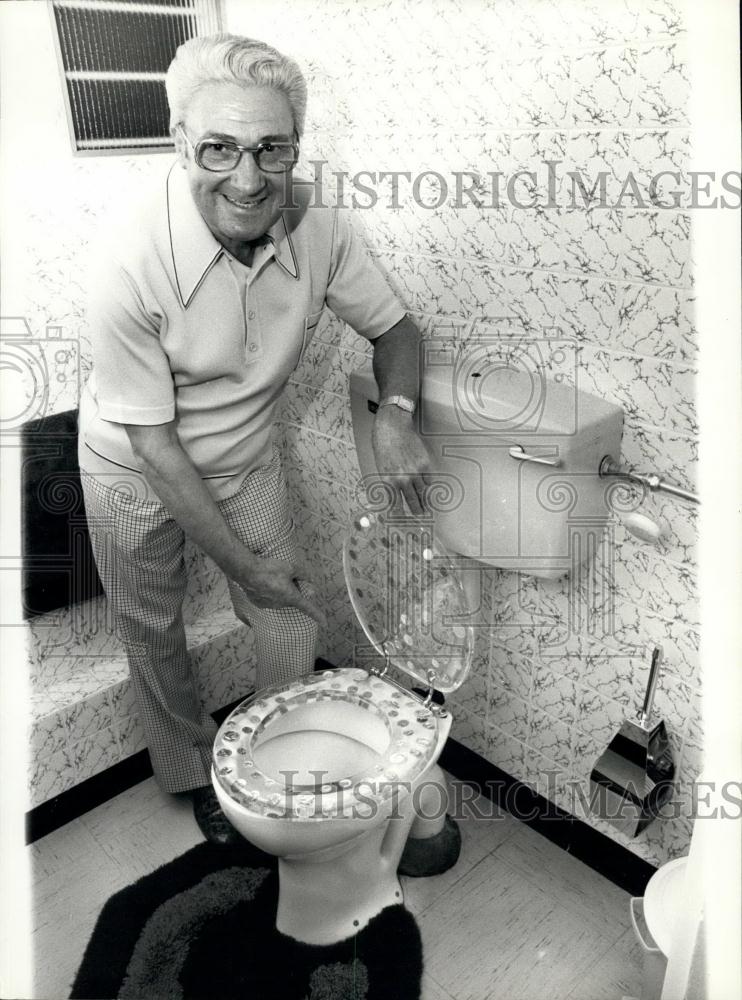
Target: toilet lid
x,y
408,597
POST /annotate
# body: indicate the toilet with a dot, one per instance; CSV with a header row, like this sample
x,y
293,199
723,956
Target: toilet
x,y
331,771
327,772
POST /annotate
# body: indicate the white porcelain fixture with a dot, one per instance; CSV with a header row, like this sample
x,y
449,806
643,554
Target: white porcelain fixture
x,y
517,454
328,772
338,840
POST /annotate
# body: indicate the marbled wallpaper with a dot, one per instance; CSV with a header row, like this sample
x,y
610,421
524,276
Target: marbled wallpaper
x,y
480,87
502,86
83,716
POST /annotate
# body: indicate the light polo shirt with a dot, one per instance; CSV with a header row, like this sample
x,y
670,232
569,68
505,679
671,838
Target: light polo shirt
x,y
180,331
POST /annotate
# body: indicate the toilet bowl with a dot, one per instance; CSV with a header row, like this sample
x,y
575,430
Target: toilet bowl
x,y
322,773
327,772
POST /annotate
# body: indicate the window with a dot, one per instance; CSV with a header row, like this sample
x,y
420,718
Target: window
x,y
114,54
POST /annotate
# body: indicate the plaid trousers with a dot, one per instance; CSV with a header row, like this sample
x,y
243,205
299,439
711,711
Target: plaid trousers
x,y
139,551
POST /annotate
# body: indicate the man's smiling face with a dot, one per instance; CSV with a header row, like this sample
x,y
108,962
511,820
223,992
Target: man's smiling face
x,y
237,205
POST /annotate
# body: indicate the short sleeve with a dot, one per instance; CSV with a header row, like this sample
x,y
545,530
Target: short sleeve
x,y
357,291
134,383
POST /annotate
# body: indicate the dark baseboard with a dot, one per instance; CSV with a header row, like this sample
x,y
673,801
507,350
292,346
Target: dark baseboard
x,y
616,863
69,805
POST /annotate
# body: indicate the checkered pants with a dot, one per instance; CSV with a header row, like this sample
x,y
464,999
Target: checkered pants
x,y
139,551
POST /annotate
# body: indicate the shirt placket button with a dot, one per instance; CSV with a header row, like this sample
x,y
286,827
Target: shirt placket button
x,y
252,346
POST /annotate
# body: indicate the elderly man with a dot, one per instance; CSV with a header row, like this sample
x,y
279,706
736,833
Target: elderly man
x,y
200,312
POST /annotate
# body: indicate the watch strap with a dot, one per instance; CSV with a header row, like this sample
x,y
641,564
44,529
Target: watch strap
x,y
403,402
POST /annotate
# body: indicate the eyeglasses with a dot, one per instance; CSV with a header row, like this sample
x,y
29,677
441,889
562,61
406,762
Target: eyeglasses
x,y
220,155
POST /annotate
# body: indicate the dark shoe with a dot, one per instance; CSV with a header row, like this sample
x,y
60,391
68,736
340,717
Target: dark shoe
x,y
212,822
431,855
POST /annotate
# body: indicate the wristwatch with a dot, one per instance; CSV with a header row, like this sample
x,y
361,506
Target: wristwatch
x,y
403,402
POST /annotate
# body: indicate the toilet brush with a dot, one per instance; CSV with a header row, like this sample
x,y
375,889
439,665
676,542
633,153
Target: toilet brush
x,y
632,778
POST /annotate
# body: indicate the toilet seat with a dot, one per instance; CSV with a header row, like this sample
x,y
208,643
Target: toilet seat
x,y
412,741
410,602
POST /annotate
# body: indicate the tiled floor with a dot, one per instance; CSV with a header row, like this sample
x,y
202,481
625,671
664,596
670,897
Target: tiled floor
x,y
516,917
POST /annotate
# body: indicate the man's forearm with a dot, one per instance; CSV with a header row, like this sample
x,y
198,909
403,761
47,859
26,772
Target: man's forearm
x,y
267,582
396,360
399,451
175,480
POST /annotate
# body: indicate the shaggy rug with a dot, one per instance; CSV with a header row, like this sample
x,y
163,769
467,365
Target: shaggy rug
x,y
203,926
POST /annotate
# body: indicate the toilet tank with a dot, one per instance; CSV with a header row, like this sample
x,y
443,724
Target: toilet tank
x,y
515,457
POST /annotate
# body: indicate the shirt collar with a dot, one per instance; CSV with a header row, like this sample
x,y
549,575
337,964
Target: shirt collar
x,y
194,247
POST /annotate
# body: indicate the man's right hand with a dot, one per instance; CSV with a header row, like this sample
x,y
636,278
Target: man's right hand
x,y
273,583
268,583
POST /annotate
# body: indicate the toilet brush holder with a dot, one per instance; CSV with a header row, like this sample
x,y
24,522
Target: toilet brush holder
x,y
632,779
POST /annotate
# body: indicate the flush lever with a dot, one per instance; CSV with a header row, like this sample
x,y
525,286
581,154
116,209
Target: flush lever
x,y
518,452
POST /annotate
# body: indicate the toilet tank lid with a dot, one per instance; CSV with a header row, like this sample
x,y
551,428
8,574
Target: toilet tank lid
x,y
508,400
407,594
502,399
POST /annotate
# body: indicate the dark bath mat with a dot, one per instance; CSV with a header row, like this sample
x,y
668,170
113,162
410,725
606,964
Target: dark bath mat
x,y
203,926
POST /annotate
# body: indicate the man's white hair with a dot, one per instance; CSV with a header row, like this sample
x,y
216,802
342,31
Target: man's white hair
x,y
224,58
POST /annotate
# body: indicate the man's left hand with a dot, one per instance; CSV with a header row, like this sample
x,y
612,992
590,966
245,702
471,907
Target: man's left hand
x,y
401,456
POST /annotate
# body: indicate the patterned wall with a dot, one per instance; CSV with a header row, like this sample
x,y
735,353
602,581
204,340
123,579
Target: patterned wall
x,y
505,86
477,86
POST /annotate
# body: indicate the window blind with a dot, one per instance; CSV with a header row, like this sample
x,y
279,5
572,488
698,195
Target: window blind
x,y
114,54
